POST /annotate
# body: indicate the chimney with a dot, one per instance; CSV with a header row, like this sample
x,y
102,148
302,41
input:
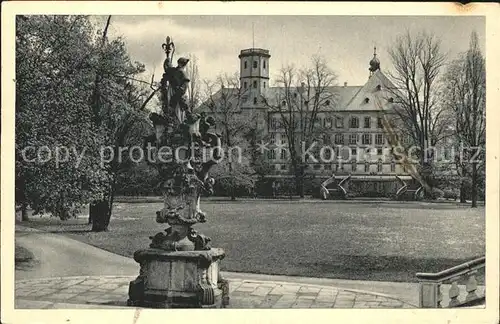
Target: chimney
x,y
345,84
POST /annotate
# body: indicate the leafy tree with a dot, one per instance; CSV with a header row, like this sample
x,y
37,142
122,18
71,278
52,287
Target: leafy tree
x,y
53,77
118,110
75,91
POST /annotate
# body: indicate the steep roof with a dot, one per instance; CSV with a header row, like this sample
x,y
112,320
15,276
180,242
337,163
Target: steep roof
x,y
372,96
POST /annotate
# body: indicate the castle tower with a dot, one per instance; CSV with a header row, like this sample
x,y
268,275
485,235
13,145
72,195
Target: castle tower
x,y
254,71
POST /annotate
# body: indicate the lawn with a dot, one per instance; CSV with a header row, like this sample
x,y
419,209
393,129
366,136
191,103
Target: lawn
x,y
345,240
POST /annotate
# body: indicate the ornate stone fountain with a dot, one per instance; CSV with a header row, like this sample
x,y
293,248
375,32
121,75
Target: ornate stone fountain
x,y
180,269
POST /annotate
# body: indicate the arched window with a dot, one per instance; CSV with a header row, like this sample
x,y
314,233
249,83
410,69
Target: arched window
x,y
245,64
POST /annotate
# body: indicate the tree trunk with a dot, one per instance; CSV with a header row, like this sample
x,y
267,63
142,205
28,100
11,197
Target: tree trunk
x,y
99,213
462,193
24,212
474,185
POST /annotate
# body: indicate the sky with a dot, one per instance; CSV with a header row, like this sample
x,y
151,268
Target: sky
x,y
346,42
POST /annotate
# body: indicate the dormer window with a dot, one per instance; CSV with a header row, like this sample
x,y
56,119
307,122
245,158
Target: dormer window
x,y
379,87
391,99
367,100
327,103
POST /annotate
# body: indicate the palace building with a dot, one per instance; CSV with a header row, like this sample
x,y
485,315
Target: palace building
x,y
348,127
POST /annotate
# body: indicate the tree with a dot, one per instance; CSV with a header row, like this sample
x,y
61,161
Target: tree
x,y
301,96
75,92
193,90
53,79
465,96
225,98
118,110
417,62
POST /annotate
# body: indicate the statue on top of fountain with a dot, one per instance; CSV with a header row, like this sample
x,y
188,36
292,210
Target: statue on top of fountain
x,y
184,178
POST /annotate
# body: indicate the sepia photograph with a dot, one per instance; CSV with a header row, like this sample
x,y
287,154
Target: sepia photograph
x,y
249,161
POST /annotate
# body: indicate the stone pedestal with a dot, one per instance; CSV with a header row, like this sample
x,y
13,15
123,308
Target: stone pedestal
x,y
179,279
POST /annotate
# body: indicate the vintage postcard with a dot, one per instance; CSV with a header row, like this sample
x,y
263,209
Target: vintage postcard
x,y
269,161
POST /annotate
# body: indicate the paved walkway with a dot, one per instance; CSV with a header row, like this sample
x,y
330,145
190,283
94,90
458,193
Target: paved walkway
x,y
86,292
96,269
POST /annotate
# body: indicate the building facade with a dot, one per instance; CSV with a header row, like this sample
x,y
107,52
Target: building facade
x,y
350,128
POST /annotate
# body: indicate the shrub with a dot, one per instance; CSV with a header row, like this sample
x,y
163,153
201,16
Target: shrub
x,y
436,193
451,193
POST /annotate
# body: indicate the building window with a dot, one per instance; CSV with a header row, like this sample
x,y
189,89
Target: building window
x,y
264,64
317,166
367,167
406,139
327,122
379,166
367,139
328,154
367,100
367,122
271,154
254,64
379,151
245,85
275,124
379,87
393,166
354,152
283,167
339,122
339,138
326,138
379,122
254,100
255,84
264,85
245,64
391,100
283,154
354,166
379,139
327,103
327,167
353,139
354,122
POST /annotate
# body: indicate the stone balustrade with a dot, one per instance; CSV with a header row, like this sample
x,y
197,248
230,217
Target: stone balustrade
x,y
452,282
